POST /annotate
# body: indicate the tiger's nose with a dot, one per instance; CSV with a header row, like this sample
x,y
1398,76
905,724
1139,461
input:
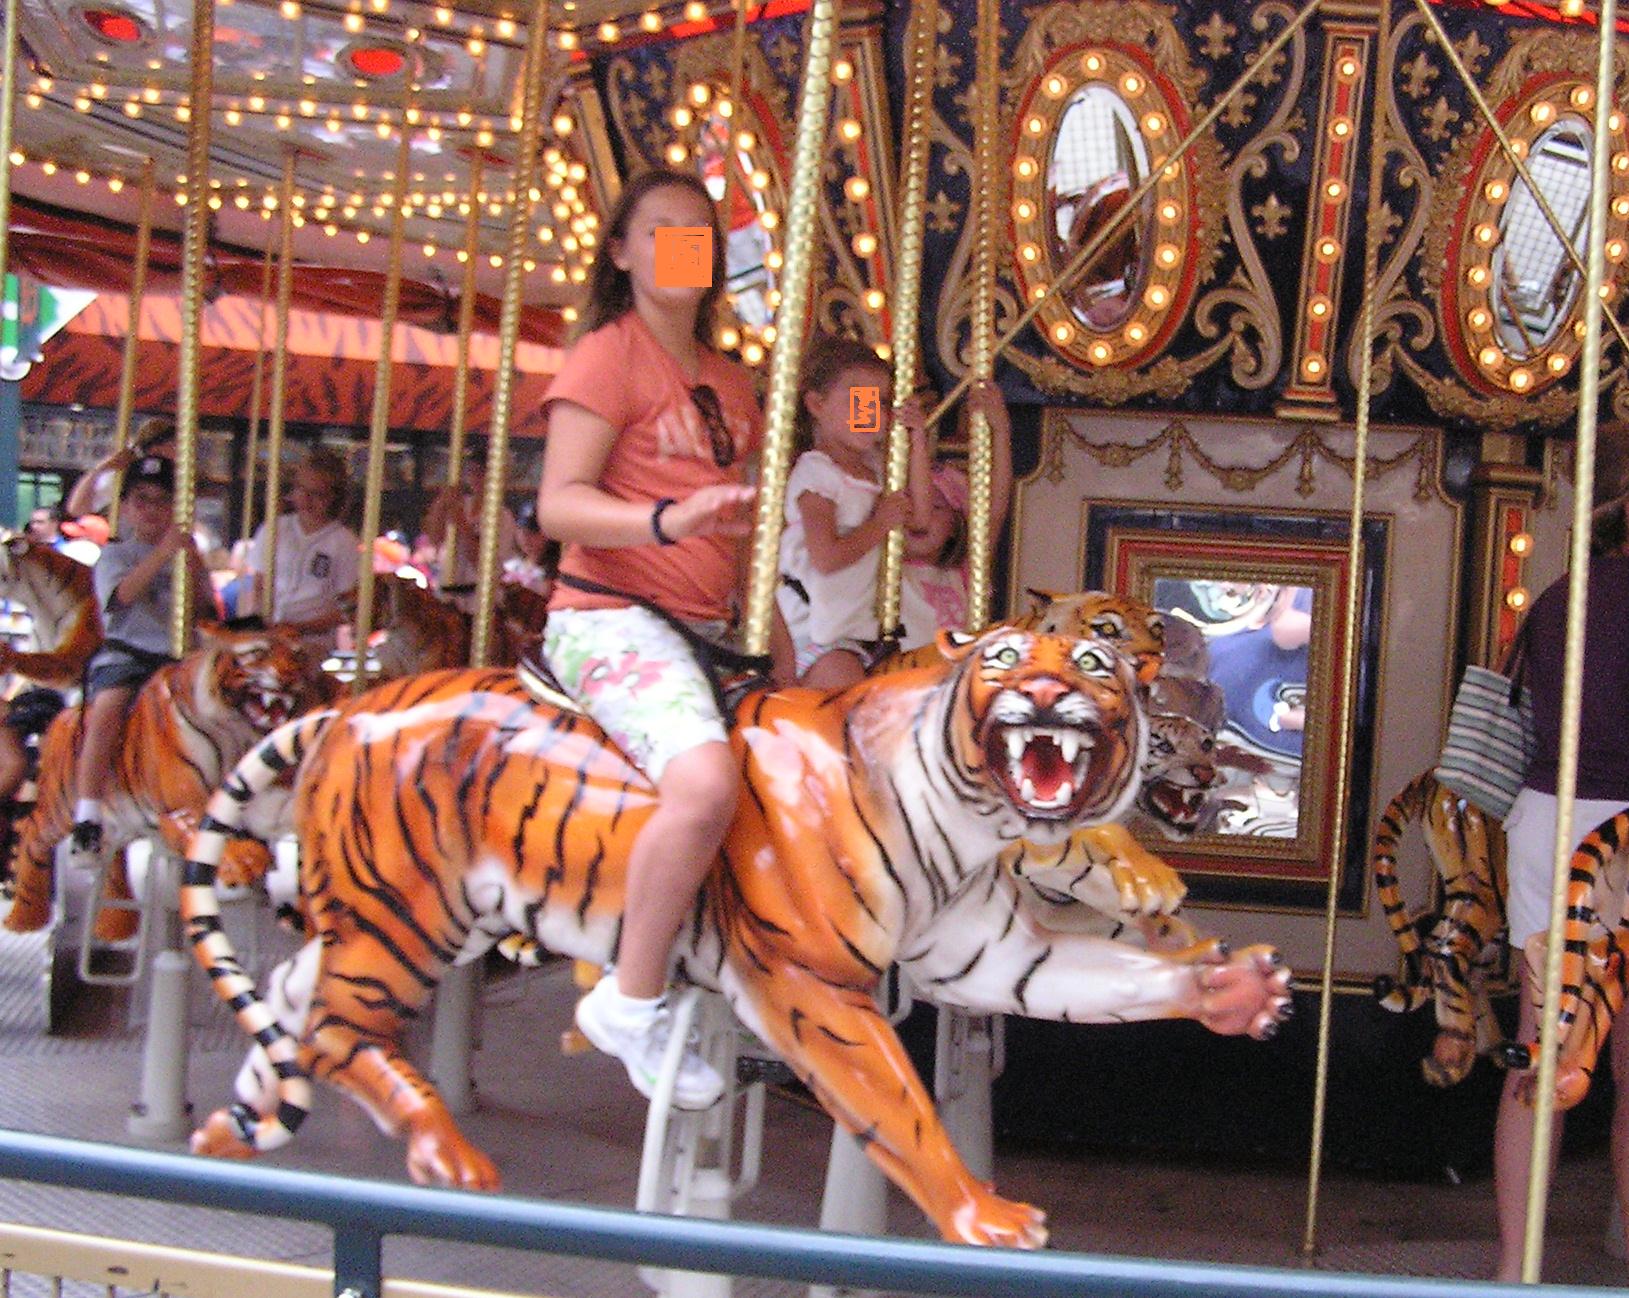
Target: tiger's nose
x,y
1204,773
1044,690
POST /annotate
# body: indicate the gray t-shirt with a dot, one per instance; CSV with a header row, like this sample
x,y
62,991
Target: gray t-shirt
x,y
145,624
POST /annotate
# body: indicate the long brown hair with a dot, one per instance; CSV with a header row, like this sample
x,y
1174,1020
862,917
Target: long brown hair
x,y
610,290
828,356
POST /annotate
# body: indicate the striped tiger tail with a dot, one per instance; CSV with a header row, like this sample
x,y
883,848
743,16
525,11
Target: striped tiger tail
x,y
1414,990
225,818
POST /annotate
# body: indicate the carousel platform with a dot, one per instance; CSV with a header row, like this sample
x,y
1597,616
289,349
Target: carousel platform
x,y
569,1128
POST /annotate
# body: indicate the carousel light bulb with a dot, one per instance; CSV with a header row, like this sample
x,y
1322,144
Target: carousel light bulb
x,y
1479,319
1157,296
857,188
1541,112
1035,125
1319,306
115,183
1132,84
1025,167
610,33
429,250
651,21
1154,123
1614,249
98,90
1571,8
1063,333
18,158
1328,249
1030,252
284,121
290,9
562,124
729,338
83,177
1136,332
495,261
569,314
1489,357
752,354
1167,255
181,198
150,94
1581,97
759,179
567,40
842,71
132,109
354,23
1055,86
233,117
1614,121
558,274
1313,366
1347,68
695,11
483,139
1100,353
700,93
362,236
1477,276
864,244
1557,363
773,259
682,117
1023,210
1516,598
83,105
1486,233
33,100
476,46
849,129
1334,191
874,299
505,27
1496,191
1091,63
769,218
1521,545
1169,212
1037,292
183,112
1620,162
45,85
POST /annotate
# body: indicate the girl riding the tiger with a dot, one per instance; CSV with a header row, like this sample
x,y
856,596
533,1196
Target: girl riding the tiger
x,y
648,432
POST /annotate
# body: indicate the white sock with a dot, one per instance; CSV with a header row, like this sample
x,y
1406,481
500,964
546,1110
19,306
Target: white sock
x,y
633,1008
88,809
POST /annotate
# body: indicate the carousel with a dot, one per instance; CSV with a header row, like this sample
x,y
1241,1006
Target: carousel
x,y
1301,322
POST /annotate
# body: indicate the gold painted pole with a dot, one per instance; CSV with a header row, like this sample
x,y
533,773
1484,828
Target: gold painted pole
x,y
8,102
132,336
503,388
279,385
466,326
1572,677
1563,237
1088,253
379,427
988,178
256,391
738,80
1373,236
814,103
923,42
194,251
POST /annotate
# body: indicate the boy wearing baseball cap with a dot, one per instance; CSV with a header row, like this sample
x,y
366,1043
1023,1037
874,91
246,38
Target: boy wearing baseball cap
x,y
132,580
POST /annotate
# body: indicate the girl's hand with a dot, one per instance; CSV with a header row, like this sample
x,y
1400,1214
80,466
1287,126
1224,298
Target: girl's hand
x,y
892,510
986,398
914,418
724,510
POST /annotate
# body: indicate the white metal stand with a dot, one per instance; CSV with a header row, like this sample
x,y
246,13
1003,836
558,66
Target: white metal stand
x,y
162,1114
964,1066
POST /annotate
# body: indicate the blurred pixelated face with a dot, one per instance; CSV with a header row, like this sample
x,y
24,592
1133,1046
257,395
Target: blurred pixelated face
x,y
150,510
42,526
311,494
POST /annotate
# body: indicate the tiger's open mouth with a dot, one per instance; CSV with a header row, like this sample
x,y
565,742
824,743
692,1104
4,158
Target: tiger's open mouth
x,y
1042,769
1179,806
268,709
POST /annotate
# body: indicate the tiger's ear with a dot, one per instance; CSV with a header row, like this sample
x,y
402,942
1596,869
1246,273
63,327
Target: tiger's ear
x,y
1041,600
953,646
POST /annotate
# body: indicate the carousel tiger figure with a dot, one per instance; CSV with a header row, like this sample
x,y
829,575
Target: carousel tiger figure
x,y
58,593
1453,950
1594,963
424,632
187,727
869,834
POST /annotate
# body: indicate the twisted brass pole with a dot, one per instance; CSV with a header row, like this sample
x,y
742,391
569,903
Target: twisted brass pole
x,y
8,102
1572,676
256,391
1374,234
923,46
738,77
1089,251
194,251
987,177
813,104
514,272
379,425
466,326
132,335
279,385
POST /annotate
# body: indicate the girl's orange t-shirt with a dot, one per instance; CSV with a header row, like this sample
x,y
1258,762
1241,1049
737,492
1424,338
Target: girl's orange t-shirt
x,y
621,373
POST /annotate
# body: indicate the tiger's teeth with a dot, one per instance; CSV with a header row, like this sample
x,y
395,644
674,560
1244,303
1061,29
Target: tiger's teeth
x,y
1069,745
1065,793
1016,740
1027,792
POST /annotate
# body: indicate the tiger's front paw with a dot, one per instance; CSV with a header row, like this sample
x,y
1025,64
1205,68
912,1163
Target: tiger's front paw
x,y
1144,884
988,1219
245,861
1248,994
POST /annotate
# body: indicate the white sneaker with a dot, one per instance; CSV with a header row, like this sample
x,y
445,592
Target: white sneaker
x,y
640,1042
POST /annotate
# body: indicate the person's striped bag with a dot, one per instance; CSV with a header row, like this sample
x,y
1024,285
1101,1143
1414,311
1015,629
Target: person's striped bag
x,y
1490,742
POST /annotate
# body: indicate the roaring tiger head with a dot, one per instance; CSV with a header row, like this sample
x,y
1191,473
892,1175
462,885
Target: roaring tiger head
x,y
264,676
55,589
1047,731
1136,629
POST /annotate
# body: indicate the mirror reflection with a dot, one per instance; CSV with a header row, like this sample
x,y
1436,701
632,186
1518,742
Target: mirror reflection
x,y
1257,639
1534,283
748,279
1098,159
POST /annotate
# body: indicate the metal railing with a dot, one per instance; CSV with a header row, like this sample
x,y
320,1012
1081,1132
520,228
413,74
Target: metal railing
x,y
361,1213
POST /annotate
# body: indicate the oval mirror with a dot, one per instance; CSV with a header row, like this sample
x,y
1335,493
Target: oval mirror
x,y
1534,284
1098,159
748,243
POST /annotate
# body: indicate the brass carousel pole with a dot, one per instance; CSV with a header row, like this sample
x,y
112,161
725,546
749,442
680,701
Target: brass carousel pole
x,y
988,177
132,336
256,387
8,101
279,384
923,46
379,427
1088,253
466,326
514,272
738,84
1373,236
813,105
194,251
1572,678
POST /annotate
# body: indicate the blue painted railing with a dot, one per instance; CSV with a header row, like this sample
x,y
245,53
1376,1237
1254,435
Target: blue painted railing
x,y
361,1213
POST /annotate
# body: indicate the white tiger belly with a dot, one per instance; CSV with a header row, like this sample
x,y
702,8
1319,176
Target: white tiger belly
x,y
503,905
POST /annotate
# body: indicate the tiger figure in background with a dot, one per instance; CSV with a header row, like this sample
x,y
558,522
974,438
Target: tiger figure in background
x,y
58,593
869,834
425,633
187,727
1454,949
1594,964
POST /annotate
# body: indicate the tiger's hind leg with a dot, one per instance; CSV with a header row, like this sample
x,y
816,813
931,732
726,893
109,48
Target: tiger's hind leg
x,y
353,1040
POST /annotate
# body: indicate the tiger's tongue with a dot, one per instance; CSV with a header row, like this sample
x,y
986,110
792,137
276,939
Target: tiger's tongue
x,y
1045,768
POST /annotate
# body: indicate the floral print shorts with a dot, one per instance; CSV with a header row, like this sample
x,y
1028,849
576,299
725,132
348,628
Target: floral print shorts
x,y
638,679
